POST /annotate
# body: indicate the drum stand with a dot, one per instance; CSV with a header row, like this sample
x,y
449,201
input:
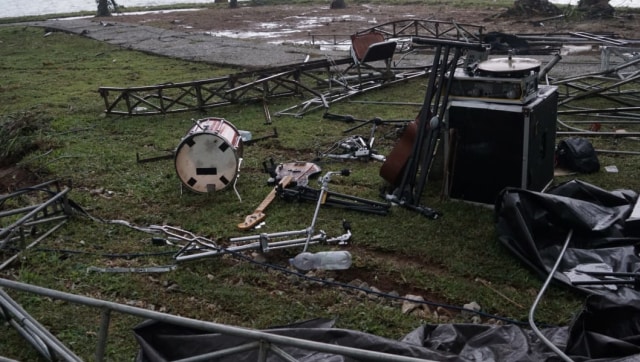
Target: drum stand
x,y
349,202
200,247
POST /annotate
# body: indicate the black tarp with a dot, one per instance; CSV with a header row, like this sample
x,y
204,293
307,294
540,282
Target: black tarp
x,y
446,342
534,226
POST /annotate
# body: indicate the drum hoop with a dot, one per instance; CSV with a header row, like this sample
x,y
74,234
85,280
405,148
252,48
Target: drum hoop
x,y
223,121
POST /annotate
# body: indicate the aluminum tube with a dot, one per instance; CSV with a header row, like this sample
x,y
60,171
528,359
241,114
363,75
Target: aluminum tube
x,y
532,323
36,210
21,210
282,354
103,334
31,324
270,235
234,249
210,326
35,242
27,189
222,353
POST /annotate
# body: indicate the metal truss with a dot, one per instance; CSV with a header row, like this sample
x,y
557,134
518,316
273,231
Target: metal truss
x,y
319,82
199,95
24,213
615,88
445,30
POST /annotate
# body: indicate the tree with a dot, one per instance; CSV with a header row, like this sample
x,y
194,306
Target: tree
x,y
596,9
591,9
338,4
526,8
103,8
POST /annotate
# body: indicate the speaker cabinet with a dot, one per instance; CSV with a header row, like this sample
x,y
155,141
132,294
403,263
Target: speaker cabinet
x,y
492,146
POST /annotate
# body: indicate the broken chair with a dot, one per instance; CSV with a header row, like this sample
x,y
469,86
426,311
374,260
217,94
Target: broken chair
x,y
369,48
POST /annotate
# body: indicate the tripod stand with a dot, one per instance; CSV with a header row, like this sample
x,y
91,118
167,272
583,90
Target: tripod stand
x,y
199,247
407,166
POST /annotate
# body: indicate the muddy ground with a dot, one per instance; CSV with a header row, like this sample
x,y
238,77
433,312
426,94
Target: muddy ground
x,y
297,23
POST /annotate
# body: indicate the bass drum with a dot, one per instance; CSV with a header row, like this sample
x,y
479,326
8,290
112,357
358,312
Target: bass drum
x,y
208,157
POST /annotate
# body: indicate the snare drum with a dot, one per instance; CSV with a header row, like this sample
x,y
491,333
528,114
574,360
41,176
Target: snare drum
x,y
207,159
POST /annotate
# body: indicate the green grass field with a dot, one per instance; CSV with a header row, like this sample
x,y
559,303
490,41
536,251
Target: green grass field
x,y
49,89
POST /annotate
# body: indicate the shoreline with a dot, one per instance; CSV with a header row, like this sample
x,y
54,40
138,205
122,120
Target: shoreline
x,y
195,5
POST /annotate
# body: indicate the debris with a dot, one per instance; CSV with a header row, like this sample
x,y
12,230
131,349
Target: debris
x,y
469,308
409,306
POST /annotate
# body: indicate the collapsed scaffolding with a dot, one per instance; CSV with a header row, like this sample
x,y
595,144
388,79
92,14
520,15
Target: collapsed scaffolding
x,y
319,82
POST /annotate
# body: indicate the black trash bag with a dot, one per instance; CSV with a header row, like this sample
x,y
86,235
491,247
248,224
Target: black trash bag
x,y
577,154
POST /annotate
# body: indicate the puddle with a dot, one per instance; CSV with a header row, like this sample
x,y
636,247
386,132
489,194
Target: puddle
x,y
250,34
303,27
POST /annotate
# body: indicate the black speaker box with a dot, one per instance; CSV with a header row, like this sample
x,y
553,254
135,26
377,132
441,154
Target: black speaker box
x,y
492,146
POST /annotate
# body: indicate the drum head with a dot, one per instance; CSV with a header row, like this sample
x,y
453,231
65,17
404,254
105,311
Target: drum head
x,y
205,162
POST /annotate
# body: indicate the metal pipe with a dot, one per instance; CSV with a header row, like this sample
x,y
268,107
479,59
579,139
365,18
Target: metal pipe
x,y
40,187
35,211
616,152
282,354
589,133
35,329
35,242
226,352
539,296
211,326
543,72
103,334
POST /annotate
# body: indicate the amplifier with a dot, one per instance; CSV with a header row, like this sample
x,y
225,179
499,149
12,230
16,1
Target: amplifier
x,y
516,90
491,146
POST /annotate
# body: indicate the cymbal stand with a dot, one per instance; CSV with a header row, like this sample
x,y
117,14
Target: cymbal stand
x,y
199,247
349,202
416,170
357,146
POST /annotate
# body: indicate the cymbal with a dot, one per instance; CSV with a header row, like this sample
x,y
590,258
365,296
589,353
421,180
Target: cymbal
x,y
508,65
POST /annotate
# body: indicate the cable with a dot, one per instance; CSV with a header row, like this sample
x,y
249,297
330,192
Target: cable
x,y
370,291
539,296
239,255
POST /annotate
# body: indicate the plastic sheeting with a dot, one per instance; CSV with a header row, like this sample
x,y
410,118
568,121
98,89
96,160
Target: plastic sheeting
x,y
534,226
447,342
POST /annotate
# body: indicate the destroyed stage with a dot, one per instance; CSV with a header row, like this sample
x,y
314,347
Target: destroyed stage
x,y
576,233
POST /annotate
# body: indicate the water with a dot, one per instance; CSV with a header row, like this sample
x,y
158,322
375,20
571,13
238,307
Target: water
x,y
16,8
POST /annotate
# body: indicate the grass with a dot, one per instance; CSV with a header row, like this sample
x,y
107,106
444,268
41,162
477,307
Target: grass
x,y
52,81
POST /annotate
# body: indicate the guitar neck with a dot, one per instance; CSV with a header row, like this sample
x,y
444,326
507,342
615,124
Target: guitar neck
x,y
272,195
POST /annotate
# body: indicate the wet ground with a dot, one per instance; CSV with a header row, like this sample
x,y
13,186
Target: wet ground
x,y
302,23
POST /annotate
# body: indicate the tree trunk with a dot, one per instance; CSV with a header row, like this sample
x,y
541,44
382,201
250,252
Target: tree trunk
x,y
103,8
338,4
